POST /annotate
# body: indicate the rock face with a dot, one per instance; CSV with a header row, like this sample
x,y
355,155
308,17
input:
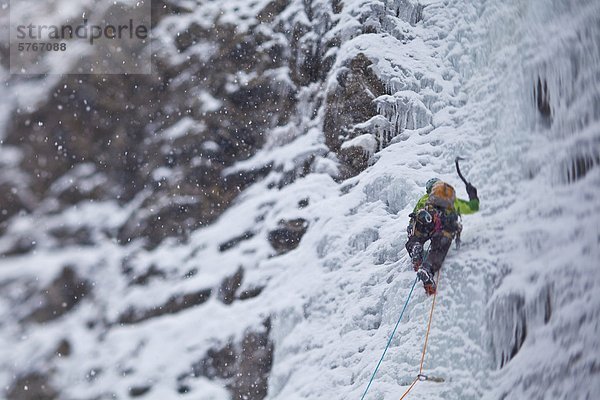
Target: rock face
x,y
198,232
164,141
230,286
351,102
174,305
158,136
287,236
244,366
33,386
61,296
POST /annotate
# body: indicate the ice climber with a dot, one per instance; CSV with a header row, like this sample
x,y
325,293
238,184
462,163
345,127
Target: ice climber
x,y
436,218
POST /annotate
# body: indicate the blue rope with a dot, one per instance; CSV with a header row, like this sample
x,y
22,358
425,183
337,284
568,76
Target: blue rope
x,y
390,340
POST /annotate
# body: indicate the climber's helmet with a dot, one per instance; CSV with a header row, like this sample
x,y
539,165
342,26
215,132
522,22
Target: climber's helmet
x,y
430,184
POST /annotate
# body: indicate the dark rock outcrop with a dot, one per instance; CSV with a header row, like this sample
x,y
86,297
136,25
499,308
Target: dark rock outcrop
x,y
231,243
254,365
272,10
138,391
354,160
174,305
32,386
244,366
230,285
351,103
72,236
20,245
137,136
250,293
288,235
153,272
66,291
12,200
63,349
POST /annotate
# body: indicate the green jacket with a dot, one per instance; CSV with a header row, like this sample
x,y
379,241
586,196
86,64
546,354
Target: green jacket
x,y
461,206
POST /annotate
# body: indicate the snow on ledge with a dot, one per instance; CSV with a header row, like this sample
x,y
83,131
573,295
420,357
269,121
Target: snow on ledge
x,y
367,142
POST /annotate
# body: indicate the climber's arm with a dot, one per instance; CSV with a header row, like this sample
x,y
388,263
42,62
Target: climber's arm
x,y
468,206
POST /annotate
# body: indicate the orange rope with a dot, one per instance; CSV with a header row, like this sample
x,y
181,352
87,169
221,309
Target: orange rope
x,y
426,337
429,324
409,389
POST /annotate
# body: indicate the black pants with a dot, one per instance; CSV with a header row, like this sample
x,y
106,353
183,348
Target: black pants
x,y
440,244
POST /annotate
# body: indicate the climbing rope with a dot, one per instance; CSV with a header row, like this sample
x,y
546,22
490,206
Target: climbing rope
x,y
420,376
390,339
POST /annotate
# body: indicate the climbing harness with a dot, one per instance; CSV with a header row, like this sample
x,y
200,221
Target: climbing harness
x,y
420,375
390,339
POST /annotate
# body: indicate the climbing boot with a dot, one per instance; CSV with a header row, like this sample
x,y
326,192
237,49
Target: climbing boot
x,y
427,278
429,288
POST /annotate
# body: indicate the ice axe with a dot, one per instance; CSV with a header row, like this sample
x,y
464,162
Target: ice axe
x,y
470,190
456,160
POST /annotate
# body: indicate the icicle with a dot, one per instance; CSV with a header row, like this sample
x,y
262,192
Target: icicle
x,y
404,110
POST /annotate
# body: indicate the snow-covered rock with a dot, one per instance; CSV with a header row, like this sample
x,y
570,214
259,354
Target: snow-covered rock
x,y
233,227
